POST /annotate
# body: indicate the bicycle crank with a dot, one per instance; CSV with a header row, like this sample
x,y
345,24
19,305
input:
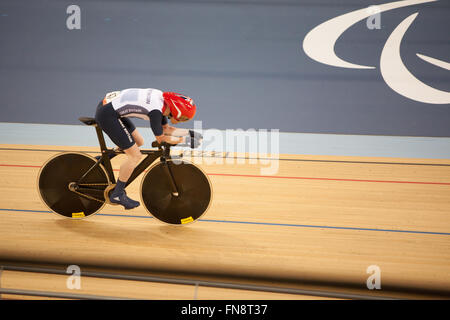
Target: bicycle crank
x,y
106,194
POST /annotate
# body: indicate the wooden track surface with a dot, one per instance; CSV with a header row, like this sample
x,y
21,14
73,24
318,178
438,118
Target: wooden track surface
x,y
319,219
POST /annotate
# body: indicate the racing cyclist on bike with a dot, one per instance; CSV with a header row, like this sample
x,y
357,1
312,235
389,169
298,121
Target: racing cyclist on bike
x,y
113,117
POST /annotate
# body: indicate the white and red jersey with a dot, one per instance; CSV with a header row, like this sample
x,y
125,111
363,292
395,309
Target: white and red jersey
x,y
135,102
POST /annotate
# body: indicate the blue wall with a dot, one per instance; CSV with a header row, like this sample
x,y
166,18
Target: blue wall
x,y
242,62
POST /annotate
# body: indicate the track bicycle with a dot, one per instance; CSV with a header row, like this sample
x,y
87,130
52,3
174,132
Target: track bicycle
x,y
76,185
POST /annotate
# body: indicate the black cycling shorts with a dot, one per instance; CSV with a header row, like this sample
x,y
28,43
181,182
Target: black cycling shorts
x,y
118,129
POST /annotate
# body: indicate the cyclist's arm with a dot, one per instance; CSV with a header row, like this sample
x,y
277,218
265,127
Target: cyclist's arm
x,y
170,139
176,132
156,124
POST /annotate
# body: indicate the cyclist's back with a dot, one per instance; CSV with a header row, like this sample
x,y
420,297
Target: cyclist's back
x,y
135,102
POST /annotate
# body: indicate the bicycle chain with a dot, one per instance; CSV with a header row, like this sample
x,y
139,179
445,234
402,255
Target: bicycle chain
x,y
90,197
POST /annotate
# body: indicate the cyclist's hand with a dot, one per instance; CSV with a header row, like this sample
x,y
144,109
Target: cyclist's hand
x,y
192,142
195,135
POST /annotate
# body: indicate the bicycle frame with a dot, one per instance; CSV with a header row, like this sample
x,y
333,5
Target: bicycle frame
x,y
163,152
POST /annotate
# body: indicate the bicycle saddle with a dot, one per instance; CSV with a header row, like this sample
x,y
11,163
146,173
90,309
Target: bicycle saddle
x,y
88,121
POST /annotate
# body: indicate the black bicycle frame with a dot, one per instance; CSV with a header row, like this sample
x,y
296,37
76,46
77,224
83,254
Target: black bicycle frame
x,y
163,152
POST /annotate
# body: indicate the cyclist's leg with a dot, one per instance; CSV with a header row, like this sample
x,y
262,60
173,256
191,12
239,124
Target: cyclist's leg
x,y
116,129
137,137
134,156
126,169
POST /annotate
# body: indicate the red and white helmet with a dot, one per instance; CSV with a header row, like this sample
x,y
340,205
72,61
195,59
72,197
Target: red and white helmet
x,y
182,108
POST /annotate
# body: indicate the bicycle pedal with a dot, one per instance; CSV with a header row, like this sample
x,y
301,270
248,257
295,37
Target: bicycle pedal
x,y
108,189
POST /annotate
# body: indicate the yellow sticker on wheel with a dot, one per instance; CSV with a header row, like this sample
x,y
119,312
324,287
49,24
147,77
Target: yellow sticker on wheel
x,y
186,220
78,215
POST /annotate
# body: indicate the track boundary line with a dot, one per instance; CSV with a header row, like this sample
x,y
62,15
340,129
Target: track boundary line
x,y
282,177
252,158
257,223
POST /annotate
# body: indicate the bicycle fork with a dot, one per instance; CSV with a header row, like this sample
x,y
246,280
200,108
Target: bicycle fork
x,y
169,173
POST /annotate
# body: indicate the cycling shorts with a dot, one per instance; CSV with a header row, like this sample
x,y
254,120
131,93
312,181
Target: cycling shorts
x,y
118,129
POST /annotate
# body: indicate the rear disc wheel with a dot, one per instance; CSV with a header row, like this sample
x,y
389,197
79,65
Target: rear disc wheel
x,y
60,189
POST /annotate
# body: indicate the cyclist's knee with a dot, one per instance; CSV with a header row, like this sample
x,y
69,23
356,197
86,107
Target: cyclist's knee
x,y
138,138
140,142
135,156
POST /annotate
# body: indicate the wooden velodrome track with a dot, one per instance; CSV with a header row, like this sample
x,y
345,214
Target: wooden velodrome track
x,y
320,220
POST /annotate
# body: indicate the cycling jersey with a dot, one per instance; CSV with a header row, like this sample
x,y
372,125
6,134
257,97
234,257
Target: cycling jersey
x,y
135,102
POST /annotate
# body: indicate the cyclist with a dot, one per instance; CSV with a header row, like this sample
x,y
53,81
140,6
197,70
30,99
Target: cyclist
x,y
113,113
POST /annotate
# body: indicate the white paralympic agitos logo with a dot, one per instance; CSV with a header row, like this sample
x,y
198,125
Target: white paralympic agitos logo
x,y
319,45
